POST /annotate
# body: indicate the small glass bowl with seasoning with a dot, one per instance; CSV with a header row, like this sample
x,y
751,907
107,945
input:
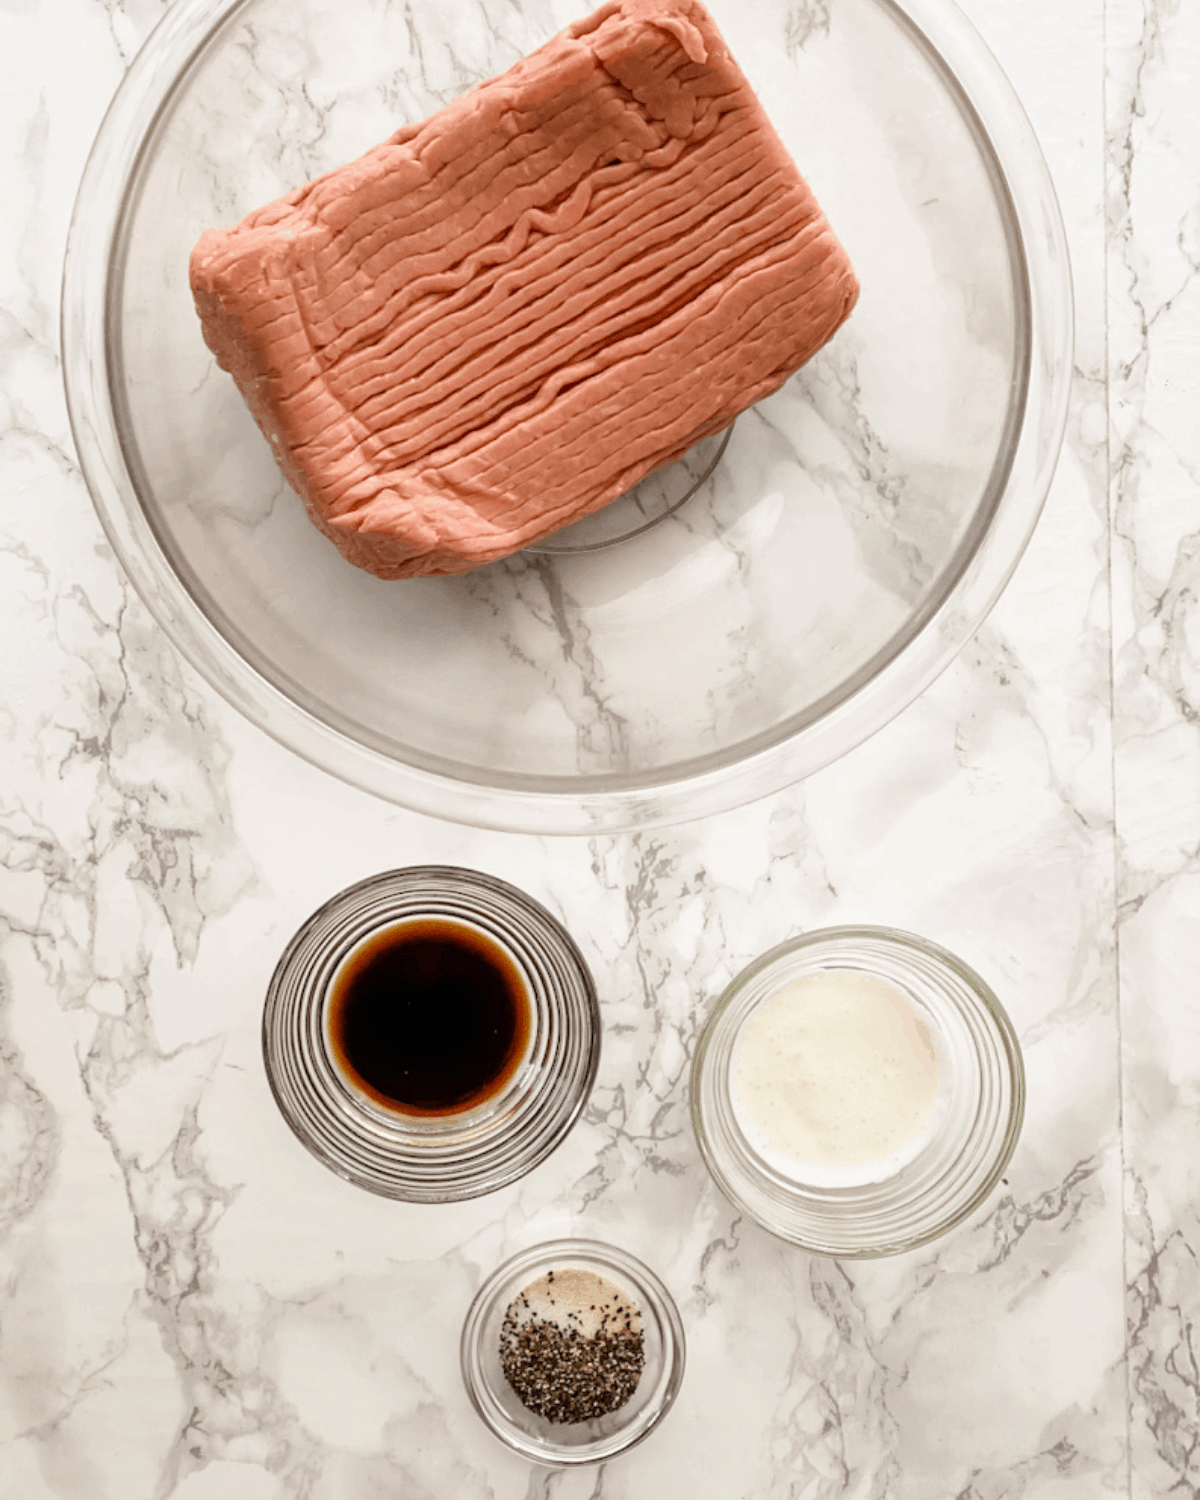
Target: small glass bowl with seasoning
x,y
572,1352
857,1091
431,1033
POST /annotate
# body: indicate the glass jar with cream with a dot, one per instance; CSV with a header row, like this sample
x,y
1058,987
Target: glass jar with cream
x,y
857,1091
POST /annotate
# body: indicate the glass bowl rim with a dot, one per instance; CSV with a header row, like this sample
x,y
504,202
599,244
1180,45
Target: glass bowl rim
x,y
832,938
621,803
651,1289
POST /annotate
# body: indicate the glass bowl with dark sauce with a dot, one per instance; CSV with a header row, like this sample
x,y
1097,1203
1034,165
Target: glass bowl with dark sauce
x,y
431,1033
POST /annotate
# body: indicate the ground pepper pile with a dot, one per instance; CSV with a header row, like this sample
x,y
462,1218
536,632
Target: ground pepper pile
x,y
571,1347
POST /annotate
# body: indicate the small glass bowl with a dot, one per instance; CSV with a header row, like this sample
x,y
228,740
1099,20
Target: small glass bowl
x,y
560,1444
975,1124
437,1159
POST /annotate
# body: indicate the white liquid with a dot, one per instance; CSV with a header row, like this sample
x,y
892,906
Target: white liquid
x,y
836,1079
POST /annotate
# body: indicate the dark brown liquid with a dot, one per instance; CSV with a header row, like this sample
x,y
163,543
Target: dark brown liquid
x,y
429,1018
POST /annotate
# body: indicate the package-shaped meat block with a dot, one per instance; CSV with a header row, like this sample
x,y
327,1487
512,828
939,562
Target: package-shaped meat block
x,y
498,320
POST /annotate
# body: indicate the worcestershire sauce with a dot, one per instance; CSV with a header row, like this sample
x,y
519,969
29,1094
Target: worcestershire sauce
x,y
429,1018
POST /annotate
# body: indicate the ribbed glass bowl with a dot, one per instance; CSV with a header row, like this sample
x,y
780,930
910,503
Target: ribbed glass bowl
x,y
571,1443
978,1117
432,1160
853,533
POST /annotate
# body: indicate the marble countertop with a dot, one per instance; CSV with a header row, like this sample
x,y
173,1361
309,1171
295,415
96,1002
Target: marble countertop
x,y
190,1307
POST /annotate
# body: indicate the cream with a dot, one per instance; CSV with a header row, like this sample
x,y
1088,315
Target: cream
x,y
837,1079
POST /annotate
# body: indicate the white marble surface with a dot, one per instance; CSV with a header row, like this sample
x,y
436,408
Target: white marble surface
x,y
192,1308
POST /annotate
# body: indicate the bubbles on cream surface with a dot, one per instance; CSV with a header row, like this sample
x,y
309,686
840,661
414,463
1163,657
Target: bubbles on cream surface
x,y
837,1079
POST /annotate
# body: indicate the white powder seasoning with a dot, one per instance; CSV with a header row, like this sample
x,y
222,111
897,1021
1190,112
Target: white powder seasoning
x,y
837,1070
572,1297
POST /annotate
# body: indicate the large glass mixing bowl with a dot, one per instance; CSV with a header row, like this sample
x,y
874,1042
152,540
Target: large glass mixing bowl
x,y
852,534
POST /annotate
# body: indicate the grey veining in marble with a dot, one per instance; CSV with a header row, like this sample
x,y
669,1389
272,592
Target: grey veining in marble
x,y
192,1309
1153,221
